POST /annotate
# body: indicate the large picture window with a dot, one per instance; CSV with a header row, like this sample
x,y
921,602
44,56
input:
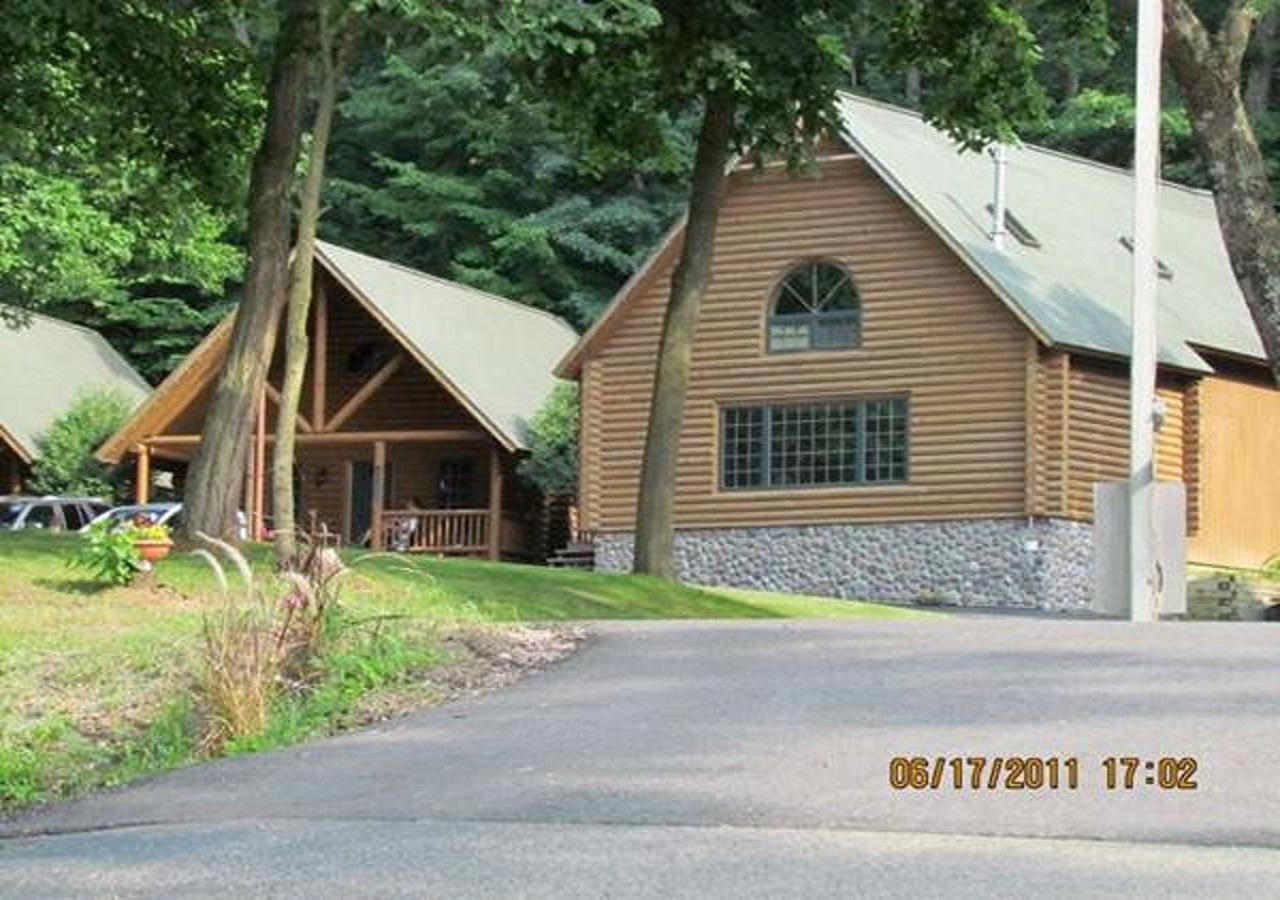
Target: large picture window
x,y
814,444
815,307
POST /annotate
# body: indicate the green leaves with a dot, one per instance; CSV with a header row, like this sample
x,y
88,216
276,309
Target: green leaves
x,y
66,464
452,166
552,463
111,552
980,59
55,243
123,153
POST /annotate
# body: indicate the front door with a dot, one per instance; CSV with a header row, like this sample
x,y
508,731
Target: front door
x,y
361,510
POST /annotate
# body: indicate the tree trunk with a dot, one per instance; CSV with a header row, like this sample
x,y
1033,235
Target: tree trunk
x,y
216,475
655,526
1207,70
333,58
1257,94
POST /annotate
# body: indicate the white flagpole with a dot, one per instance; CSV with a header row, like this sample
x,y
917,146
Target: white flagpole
x,y
1142,360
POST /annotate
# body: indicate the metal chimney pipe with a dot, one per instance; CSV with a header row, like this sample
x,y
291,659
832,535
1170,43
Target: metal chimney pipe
x,y
1000,158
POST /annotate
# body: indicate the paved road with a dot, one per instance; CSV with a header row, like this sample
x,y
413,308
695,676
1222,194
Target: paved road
x,y
735,759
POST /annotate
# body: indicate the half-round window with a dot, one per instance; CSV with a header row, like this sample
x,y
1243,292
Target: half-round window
x,y
815,307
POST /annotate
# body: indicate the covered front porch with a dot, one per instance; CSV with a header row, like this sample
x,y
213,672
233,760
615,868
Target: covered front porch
x,y
445,491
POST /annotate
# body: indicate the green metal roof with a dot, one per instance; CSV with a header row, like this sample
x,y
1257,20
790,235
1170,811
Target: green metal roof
x,y
1074,289
47,365
499,355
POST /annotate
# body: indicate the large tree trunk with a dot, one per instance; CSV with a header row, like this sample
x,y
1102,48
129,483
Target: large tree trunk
x,y
333,59
655,526
1207,69
216,475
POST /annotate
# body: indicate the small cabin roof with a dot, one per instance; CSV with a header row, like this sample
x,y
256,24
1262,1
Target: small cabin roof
x,y
45,365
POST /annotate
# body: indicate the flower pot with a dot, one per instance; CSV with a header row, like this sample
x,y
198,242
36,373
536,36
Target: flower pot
x,y
153,551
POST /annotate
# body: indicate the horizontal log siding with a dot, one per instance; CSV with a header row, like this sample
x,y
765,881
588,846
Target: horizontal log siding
x,y
1240,497
590,446
931,331
1049,473
1098,437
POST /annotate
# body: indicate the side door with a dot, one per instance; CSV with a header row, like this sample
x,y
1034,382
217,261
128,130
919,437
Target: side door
x,y
360,509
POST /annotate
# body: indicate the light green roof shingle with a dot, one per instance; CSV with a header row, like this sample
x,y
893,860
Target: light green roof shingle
x,y
499,354
45,366
1075,288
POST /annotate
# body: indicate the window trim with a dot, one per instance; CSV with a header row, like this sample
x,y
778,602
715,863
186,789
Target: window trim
x,y
768,406
772,317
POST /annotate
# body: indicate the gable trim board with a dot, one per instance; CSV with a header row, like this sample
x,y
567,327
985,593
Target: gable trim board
x,y
167,400
1013,414
392,295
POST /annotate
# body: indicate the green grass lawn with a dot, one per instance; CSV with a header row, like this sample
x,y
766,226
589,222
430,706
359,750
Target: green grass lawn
x,y
96,683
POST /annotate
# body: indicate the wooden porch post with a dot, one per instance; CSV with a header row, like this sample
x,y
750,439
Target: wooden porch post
x,y
379,483
495,503
259,471
249,481
142,477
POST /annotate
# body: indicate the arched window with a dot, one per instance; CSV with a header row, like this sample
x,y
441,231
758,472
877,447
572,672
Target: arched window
x,y
815,307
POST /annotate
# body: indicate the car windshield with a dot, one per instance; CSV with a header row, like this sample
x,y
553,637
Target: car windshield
x,y
9,513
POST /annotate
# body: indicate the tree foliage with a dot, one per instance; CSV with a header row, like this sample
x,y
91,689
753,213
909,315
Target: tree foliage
x,y
552,464
66,464
123,144
447,163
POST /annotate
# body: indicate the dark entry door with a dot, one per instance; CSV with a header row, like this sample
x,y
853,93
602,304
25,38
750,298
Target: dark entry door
x,y
362,499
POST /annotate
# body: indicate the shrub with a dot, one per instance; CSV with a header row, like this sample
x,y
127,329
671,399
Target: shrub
x,y
66,464
110,554
552,463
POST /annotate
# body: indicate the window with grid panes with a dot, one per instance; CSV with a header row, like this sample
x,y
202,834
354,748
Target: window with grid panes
x,y
814,444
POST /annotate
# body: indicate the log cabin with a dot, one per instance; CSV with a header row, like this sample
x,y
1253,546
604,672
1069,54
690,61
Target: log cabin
x,y
414,412
46,364
897,394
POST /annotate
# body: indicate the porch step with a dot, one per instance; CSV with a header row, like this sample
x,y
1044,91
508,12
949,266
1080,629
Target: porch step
x,y
574,556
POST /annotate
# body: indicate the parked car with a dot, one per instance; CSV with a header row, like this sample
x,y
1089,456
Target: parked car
x,y
155,514
19,513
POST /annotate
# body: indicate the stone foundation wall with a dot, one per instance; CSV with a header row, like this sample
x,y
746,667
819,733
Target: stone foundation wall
x,y
1043,563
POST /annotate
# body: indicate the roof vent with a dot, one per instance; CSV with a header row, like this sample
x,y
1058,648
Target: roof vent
x,y
1161,269
1021,233
1000,158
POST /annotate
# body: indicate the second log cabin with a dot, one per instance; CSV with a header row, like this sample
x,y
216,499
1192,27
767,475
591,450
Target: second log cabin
x,y
414,412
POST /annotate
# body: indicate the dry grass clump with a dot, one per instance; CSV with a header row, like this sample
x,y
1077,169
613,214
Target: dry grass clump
x,y
263,639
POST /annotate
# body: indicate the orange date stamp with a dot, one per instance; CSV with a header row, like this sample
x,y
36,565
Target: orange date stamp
x,y
1040,773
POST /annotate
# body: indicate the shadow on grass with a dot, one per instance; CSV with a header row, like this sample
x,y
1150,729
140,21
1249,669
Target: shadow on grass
x,y
85,587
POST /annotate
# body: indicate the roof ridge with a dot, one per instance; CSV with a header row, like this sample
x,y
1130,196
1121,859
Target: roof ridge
x,y
455,284
1030,145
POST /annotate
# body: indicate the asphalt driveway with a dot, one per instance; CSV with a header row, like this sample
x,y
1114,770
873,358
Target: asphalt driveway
x,y
735,759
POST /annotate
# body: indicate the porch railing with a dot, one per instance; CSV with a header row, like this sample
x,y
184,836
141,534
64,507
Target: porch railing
x,y
461,531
